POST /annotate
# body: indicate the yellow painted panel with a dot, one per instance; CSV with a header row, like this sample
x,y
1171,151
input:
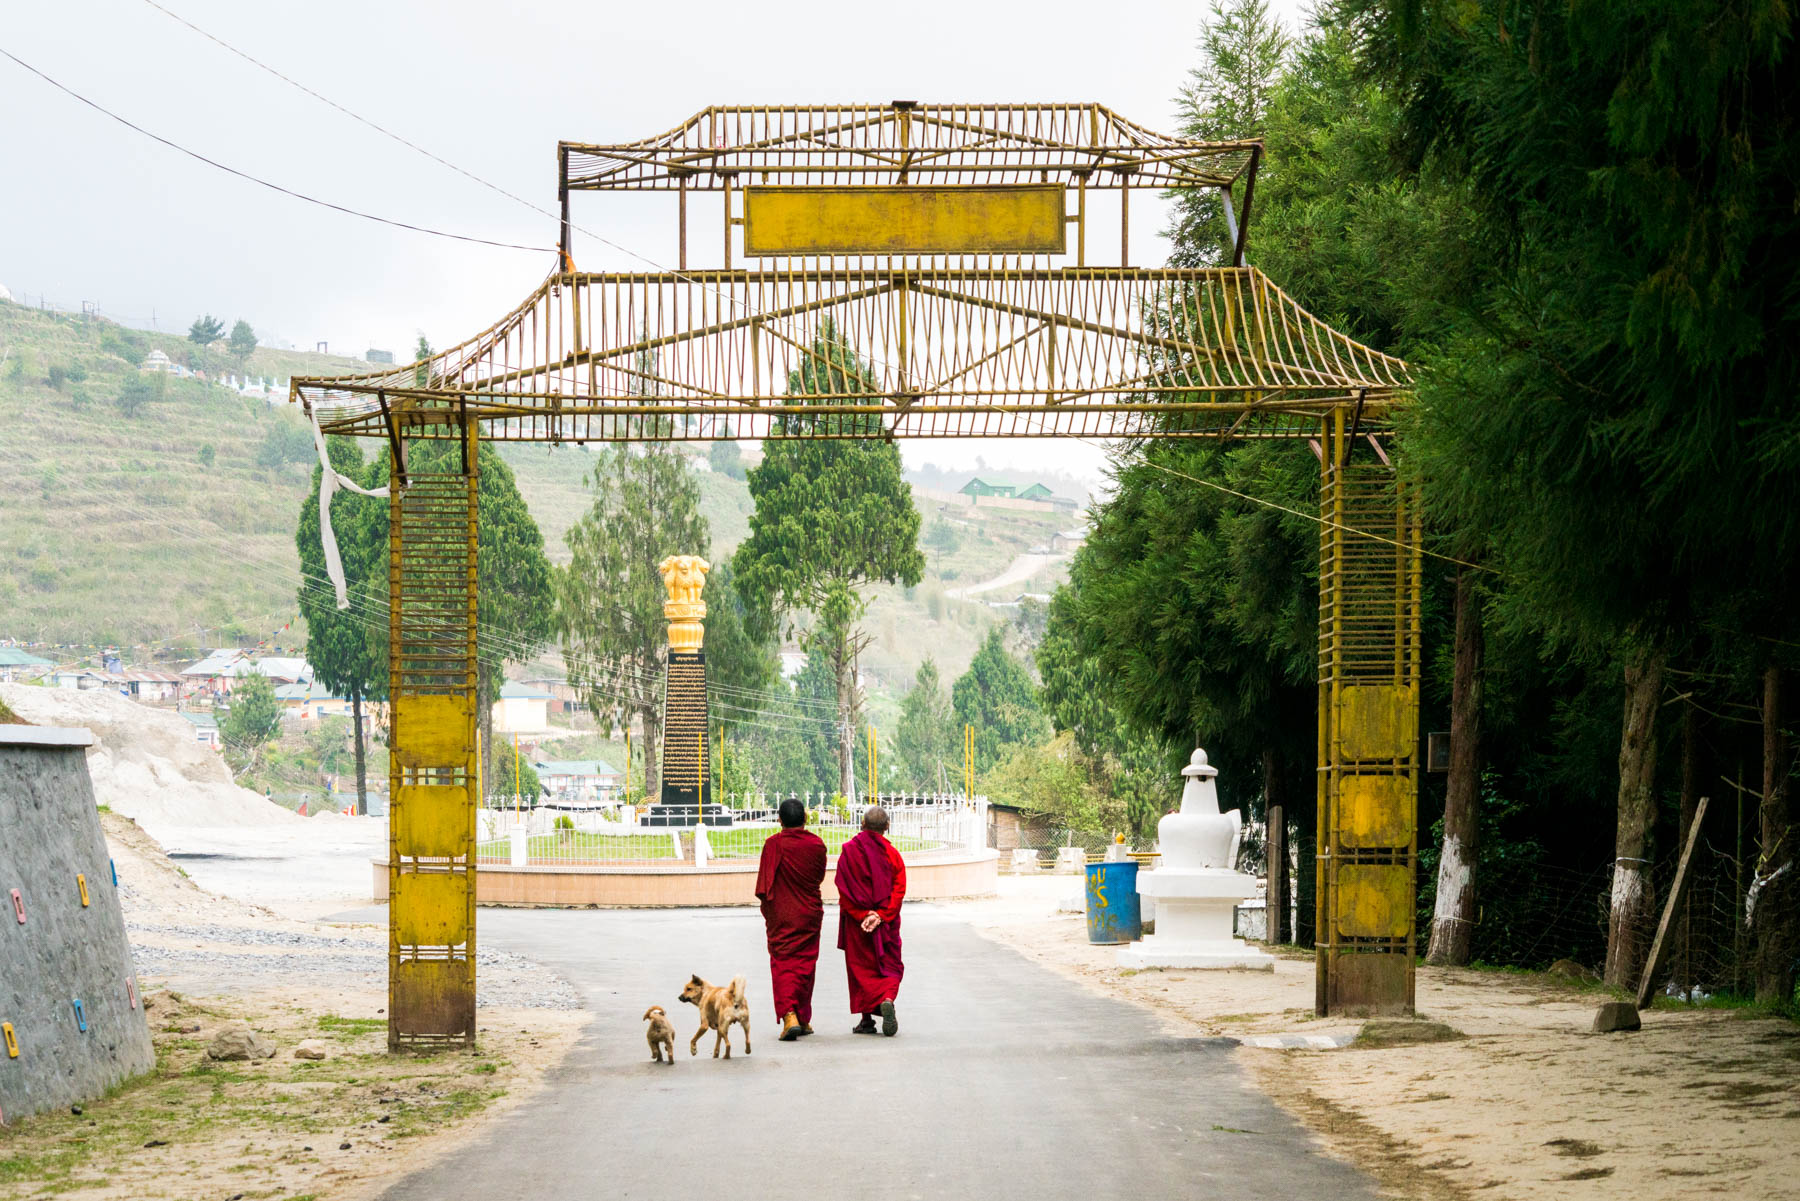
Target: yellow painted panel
x,y
434,731
431,909
432,821
1375,811
1003,219
434,997
1374,900
1377,721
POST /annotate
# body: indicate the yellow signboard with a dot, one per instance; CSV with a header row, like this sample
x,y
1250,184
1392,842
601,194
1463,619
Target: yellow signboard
x,y
1002,219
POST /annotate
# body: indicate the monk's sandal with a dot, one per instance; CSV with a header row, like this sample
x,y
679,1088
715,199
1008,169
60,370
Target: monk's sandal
x,y
890,1025
790,1028
866,1026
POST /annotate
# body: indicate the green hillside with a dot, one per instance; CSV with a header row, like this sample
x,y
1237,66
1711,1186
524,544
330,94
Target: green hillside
x,y
170,521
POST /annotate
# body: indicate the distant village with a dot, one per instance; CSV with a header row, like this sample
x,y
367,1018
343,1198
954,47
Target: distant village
x,y
200,691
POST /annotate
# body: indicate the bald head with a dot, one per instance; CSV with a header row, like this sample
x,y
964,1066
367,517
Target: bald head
x,y
875,818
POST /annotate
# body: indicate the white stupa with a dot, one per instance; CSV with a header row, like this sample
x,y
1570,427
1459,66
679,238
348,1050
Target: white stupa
x,y
1195,885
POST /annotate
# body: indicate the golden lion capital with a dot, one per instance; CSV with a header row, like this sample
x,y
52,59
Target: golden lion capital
x,y
685,577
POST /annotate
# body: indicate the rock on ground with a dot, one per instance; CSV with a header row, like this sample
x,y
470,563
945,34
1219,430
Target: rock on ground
x,y
1615,1016
1400,1032
311,1048
238,1042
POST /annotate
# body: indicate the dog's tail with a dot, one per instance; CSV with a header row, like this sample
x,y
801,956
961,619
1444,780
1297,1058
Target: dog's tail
x,y
737,990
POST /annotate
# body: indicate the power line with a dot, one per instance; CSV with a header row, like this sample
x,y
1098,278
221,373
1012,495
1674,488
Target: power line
x,y
245,175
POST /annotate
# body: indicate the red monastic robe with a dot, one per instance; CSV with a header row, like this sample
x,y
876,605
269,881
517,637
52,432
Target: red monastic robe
x,y
870,879
787,883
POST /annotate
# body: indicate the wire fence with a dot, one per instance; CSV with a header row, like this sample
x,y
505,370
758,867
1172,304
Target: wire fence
x,y
511,833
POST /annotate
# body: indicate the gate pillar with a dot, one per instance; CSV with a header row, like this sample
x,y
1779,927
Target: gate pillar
x,y
433,773
1368,776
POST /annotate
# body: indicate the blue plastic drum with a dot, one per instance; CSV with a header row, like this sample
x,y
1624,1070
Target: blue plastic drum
x,y
1112,903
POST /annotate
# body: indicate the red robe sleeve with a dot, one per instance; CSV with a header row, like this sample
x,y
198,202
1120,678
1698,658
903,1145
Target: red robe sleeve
x,y
765,870
891,910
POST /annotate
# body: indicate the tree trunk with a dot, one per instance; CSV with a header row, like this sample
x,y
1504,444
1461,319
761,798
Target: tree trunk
x,y
843,669
1774,891
1453,920
1275,896
652,722
484,723
362,766
1631,923
1681,963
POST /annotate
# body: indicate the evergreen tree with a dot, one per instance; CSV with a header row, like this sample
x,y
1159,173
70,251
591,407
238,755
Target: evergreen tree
x,y
1635,333
242,342
515,603
833,515
1225,99
346,647
925,741
206,330
996,696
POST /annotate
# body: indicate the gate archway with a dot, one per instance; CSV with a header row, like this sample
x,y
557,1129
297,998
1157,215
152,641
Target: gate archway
x,y
948,246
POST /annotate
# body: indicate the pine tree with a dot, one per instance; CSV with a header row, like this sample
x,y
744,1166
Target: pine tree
x,y
1226,98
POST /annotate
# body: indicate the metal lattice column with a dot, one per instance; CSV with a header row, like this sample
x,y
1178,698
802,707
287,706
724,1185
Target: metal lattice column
x,y
433,770
1369,664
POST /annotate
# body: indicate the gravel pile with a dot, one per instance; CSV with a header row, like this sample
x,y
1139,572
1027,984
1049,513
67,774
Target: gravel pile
x,y
146,763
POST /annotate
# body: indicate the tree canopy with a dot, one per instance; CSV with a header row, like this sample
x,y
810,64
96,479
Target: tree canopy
x,y
996,696
242,341
206,330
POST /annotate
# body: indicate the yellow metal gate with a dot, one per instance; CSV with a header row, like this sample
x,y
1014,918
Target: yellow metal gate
x,y
931,243
1369,600
434,774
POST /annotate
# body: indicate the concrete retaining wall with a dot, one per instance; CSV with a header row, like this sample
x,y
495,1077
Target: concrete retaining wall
x,y
64,951
928,877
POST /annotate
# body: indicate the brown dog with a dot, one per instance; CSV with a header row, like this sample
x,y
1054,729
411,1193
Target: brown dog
x,y
661,1034
719,1008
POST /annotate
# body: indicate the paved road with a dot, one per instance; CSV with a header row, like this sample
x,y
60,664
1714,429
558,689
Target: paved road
x,y
1006,1081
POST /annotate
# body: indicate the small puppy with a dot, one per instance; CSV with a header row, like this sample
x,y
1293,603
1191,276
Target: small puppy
x,y
661,1034
719,1008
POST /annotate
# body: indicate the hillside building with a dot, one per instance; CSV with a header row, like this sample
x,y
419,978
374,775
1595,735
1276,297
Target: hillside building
x,y
16,665
522,709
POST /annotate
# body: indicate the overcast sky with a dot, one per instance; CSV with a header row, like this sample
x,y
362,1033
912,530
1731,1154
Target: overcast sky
x,y
91,211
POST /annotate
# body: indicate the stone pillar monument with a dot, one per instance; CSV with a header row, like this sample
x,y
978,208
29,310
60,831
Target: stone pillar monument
x,y
686,797
1195,886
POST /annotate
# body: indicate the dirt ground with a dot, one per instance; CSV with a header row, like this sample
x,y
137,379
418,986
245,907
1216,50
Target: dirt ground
x,y
1529,1105
340,1129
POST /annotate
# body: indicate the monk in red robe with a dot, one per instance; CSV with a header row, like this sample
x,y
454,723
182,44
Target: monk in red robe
x,y
871,884
787,884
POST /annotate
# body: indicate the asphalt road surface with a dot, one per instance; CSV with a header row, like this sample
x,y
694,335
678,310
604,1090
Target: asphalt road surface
x,y
1005,1081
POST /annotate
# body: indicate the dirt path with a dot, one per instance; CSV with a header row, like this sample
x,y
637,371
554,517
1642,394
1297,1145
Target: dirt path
x,y
1530,1106
1017,572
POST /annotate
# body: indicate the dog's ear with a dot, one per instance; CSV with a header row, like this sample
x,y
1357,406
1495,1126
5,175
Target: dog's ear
x,y
698,980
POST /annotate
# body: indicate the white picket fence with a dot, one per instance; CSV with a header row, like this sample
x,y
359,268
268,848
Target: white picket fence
x,y
508,833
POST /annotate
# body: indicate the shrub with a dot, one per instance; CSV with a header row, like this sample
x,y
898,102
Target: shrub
x,y
206,454
139,390
565,822
57,376
286,443
125,344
